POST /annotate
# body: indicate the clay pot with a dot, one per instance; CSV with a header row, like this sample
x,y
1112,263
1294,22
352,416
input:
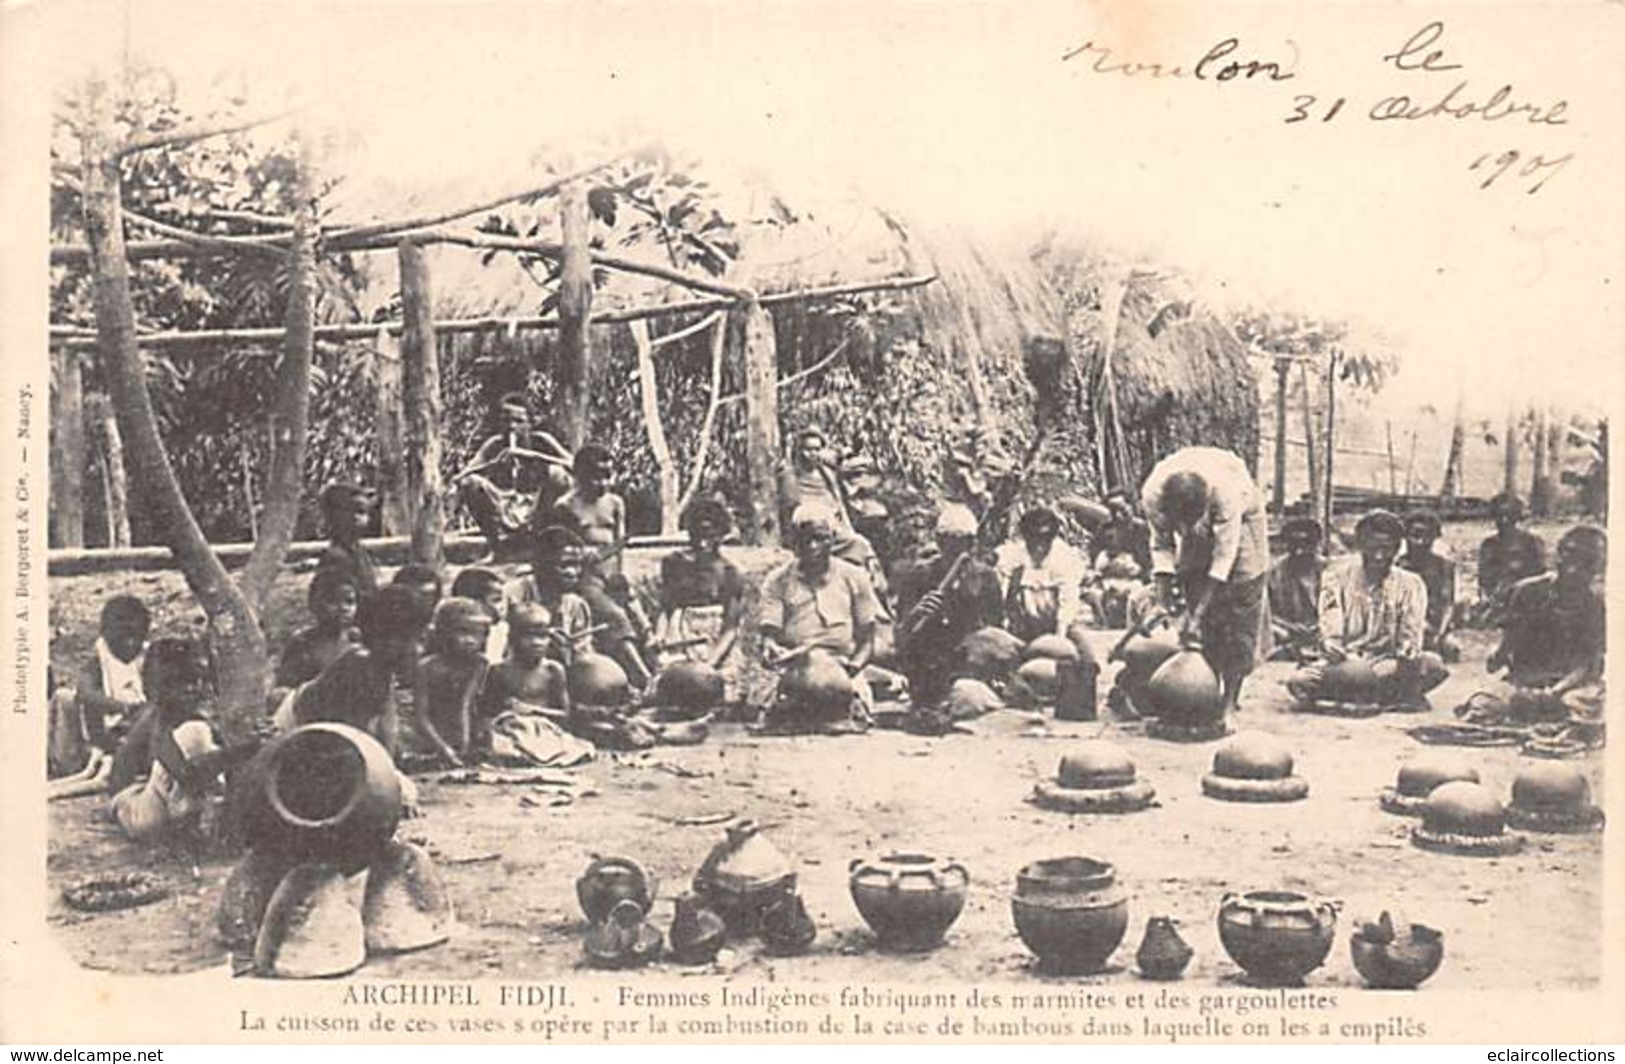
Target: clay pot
x,y
787,926
816,687
697,933
743,876
1392,956
990,653
1142,654
247,892
691,686
1418,778
1058,647
323,793
1463,808
597,680
1253,756
1095,764
406,906
1184,690
1163,954
1350,680
909,900
311,929
1070,912
608,881
1277,937
969,698
623,939
1551,786
1039,676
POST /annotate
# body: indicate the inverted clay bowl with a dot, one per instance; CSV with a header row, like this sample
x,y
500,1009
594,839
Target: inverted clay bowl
x,y
1277,937
1070,912
1554,797
1463,808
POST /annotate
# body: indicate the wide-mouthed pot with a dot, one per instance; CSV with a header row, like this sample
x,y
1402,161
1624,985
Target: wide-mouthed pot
x,y
909,900
1277,937
1070,912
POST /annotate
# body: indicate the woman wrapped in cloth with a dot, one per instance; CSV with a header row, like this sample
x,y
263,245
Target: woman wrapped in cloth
x,y
701,595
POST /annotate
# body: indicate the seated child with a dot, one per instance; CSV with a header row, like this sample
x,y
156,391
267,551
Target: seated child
x,y
332,600
529,680
451,681
89,716
485,587
423,582
554,583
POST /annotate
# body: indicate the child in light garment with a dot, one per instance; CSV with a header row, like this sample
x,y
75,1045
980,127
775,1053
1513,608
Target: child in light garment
x,y
91,713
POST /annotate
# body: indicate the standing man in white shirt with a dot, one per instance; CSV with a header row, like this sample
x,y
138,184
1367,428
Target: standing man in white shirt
x,y
1210,541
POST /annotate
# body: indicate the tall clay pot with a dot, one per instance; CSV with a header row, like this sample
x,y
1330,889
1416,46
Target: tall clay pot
x,y
1070,912
1184,691
1277,937
323,793
909,900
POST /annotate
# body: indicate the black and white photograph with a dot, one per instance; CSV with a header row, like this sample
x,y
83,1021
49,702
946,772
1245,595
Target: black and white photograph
x,y
714,522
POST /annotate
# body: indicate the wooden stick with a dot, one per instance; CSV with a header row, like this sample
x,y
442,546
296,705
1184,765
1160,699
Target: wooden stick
x,y
176,138
554,250
255,245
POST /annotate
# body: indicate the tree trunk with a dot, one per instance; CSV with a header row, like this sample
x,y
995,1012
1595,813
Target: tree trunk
x,y
1540,484
290,402
391,435
1330,444
1509,483
420,380
67,508
649,392
1311,438
234,631
115,485
1451,486
1393,466
574,403
761,370
1282,369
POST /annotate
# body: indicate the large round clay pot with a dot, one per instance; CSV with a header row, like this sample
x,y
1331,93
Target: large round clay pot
x,y
1142,654
1551,786
1039,674
1095,764
1070,912
323,793
1351,680
1277,937
597,680
691,686
989,654
1419,777
1184,691
816,687
909,900
609,881
1463,808
1054,646
1253,756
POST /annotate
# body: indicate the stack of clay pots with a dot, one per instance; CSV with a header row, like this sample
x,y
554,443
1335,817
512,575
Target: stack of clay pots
x,y
1550,796
1465,818
1095,777
1254,767
319,806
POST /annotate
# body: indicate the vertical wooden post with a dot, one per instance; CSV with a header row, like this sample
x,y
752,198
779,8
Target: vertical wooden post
x,y
1540,481
1451,486
67,525
1510,482
1311,437
655,429
1393,468
1282,369
388,416
110,465
574,403
1331,438
759,354
420,389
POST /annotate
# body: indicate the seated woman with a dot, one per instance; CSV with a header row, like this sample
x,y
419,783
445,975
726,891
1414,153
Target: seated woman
x,y
451,682
701,593
332,600
1374,614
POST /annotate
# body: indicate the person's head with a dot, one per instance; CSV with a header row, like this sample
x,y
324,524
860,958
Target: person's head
x,y
707,522
1038,528
810,446
559,558
812,535
1582,554
460,628
347,508
333,599
1300,537
1120,505
513,414
955,531
177,675
422,581
1422,527
1506,510
483,586
1185,499
392,621
1377,537
594,467
529,635
124,624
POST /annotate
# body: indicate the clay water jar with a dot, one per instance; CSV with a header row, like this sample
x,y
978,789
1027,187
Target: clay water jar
x,y
1095,764
909,900
1352,680
1277,937
1039,674
323,793
1551,787
608,881
1070,912
816,686
623,939
1143,654
990,653
597,680
1184,690
1418,778
1463,808
1058,647
691,686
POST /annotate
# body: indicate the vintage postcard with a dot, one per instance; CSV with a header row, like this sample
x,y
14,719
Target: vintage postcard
x,y
853,523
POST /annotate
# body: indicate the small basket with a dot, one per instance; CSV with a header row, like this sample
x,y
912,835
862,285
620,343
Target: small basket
x,y
124,890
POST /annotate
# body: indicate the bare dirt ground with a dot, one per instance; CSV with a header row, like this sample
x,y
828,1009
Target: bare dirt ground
x,y
510,853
